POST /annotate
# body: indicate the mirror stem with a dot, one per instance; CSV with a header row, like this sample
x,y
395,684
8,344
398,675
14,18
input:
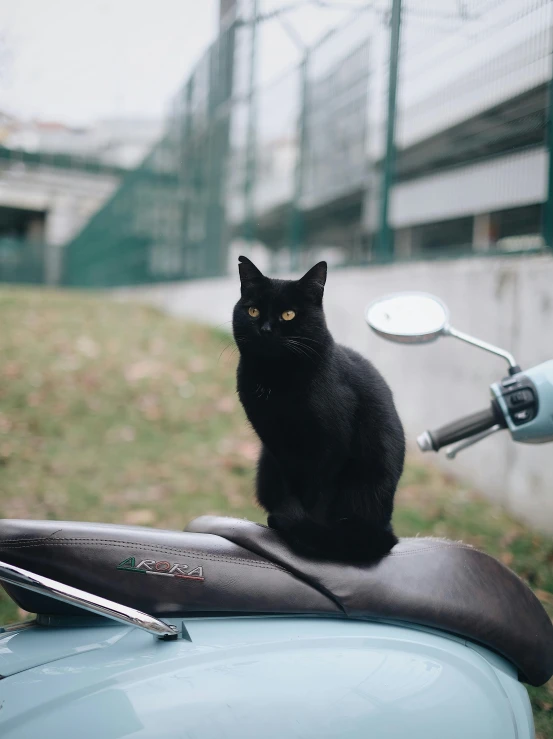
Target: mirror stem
x,y
513,366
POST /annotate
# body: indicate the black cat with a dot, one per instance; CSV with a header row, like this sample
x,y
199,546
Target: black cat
x,y
333,445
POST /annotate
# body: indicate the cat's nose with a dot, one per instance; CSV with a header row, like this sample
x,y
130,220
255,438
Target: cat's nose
x,y
266,328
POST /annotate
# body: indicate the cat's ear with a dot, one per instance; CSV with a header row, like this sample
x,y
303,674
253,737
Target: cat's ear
x,y
313,282
249,274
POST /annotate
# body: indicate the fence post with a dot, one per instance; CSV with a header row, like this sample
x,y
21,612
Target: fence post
x,y
548,205
385,245
296,221
249,209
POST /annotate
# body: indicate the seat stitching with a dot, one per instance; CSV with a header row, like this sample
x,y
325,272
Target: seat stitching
x,y
22,543
162,548
157,548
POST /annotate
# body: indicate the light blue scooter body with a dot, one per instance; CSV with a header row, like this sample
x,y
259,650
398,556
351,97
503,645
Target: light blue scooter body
x,y
253,678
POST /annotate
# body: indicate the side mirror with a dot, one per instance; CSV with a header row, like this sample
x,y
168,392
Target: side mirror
x,y
419,318
408,318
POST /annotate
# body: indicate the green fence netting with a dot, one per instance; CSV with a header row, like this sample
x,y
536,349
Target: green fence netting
x,y
22,261
167,219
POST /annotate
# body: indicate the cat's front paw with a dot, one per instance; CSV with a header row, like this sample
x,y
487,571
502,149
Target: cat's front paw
x,y
278,522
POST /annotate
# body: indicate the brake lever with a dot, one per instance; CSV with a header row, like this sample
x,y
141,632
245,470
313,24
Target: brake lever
x,y
453,451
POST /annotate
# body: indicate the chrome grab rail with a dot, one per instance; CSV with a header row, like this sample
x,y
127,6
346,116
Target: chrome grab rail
x,y
80,598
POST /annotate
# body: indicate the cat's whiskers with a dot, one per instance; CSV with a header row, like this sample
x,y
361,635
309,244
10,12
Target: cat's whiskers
x,y
310,349
222,324
236,341
297,350
224,350
307,351
294,344
305,338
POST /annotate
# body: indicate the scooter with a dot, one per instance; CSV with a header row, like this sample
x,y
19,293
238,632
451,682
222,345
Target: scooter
x,y
223,631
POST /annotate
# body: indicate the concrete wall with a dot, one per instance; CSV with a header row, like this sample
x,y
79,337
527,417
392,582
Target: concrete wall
x,y
507,301
69,198
504,182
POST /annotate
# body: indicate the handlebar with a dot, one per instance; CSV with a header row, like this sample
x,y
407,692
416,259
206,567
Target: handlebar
x,y
464,428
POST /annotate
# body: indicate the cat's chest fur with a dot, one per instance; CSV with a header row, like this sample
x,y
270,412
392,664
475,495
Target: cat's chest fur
x,y
268,400
296,413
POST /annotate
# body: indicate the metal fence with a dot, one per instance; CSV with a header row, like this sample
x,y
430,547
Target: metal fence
x,y
472,140
166,221
45,197
413,130
22,261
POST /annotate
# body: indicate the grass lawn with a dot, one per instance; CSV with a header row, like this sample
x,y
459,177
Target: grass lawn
x,y
116,413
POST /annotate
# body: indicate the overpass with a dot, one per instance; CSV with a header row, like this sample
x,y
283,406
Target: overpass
x,y
45,199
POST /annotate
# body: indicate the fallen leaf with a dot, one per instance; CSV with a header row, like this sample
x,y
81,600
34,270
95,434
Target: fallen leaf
x,y
12,370
149,405
197,364
69,363
226,404
157,346
179,376
187,390
87,346
235,499
33,400
140,517
5,424
145,368
249,450
544,595
508,538
123,433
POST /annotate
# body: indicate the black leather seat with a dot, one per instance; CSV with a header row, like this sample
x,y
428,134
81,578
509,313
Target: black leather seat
x,y
227,565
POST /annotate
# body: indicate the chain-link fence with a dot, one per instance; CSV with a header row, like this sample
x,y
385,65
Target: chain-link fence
x,y
308,145
22,261
472,142
167,219
413,129
45,198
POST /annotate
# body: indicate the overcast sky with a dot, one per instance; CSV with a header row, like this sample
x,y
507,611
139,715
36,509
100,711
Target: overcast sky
x,y
78,61
82,60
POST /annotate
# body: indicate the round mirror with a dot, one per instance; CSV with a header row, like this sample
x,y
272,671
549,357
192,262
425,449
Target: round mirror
x,y
408,318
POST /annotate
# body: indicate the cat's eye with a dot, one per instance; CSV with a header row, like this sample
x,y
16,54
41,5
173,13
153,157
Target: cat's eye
x,y
254,312
288,315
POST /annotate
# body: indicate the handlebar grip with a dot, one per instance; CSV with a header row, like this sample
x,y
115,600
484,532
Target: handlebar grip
x,y
464,428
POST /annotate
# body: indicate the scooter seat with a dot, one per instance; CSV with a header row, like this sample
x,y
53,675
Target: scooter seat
x,y
230,566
